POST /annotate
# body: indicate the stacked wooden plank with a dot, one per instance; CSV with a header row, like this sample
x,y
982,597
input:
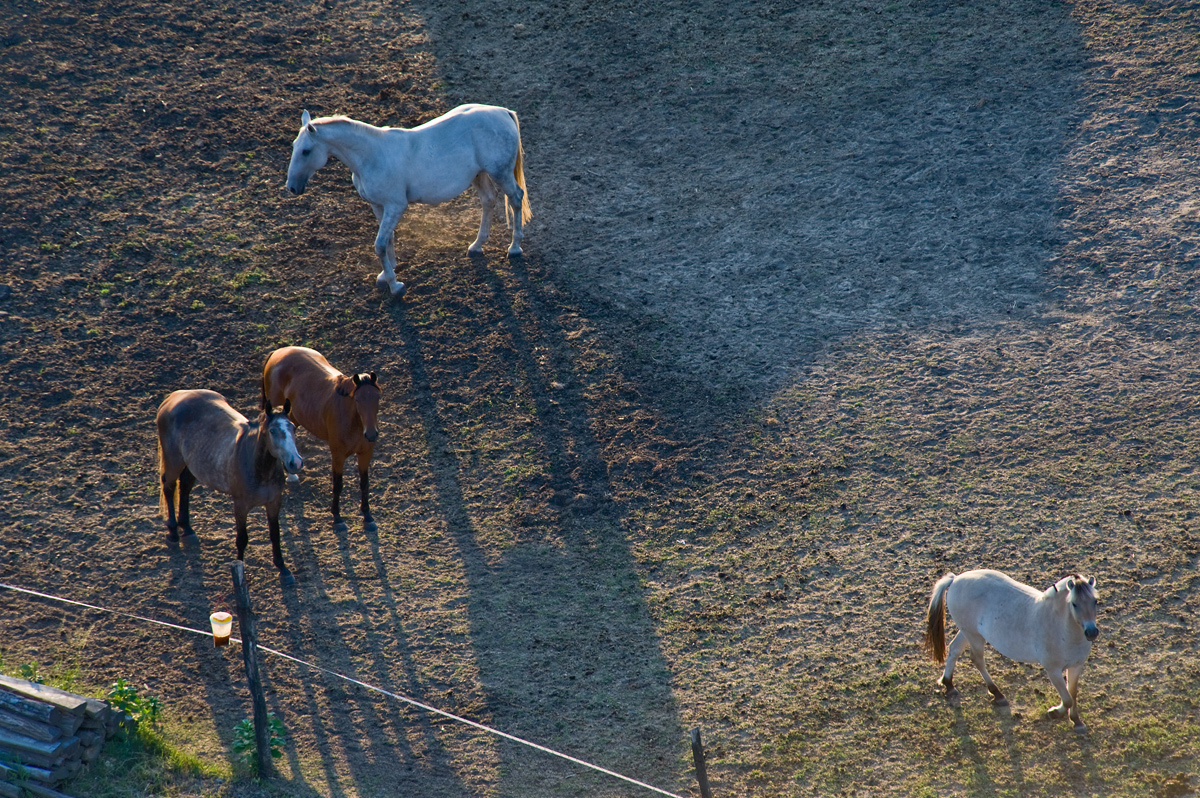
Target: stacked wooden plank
x,y
46,736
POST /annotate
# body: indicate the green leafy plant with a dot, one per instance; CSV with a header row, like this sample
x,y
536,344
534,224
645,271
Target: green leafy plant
x,y
245,746
29,672
133,708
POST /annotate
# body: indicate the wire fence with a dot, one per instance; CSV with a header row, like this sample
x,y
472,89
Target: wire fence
x,y
396,696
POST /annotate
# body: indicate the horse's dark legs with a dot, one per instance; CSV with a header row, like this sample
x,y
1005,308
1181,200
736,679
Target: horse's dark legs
x,y
285,576
239,520
336,506
187,481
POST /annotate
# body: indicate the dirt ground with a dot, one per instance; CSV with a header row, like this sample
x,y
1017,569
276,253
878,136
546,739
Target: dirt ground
x,y
818,303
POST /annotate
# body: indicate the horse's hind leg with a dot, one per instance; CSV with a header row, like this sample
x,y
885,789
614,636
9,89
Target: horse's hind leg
x,y
488,191
516,197
977,647
168,492
952,655
187,481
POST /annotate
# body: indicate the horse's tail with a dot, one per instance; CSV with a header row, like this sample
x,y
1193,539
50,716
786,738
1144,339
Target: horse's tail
x,y
935,621
519,176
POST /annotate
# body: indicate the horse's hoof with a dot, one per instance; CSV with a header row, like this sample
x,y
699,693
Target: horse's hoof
x,y
1056,713
515,253
190,538
474,251
340,526
172,535
370,526
1080,728
1000,701
286,579
398,290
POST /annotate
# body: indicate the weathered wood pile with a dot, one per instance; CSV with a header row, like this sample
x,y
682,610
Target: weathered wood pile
x,y
46,736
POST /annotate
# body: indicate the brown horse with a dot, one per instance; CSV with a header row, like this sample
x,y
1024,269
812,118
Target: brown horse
x,y
339,410
202,439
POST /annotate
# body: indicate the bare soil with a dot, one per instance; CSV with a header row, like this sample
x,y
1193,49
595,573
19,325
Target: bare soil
x,y
818,303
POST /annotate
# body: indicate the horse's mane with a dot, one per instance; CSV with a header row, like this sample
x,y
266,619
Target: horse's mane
x,y
264,462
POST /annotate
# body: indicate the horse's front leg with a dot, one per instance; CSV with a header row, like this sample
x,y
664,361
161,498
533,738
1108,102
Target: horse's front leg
x,y
239,520
1073,674
1067,704
339,462
385,246
364,464
285,576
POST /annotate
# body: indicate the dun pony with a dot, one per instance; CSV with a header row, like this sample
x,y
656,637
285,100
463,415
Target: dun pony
x,y
1054,627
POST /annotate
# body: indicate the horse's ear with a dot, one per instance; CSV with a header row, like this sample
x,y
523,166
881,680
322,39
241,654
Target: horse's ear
x,y
1092,581
374,379
1070,584
287,406
357,380
305,119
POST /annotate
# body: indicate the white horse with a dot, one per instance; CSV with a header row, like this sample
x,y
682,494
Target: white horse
x,y
1054,628
431,163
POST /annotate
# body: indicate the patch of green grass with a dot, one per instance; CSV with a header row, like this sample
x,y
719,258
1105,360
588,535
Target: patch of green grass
x,y
140,761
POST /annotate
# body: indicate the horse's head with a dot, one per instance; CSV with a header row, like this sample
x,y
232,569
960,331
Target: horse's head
x,y
309,154
281,437
1081,594
366,401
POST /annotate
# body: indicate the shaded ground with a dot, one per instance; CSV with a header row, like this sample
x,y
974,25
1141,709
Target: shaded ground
x,y
818,304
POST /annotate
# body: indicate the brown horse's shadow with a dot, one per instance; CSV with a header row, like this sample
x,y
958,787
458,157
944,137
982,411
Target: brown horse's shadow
x,y
312,537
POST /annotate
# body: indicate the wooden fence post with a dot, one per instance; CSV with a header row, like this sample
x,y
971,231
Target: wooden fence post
x,y
262,727
701,771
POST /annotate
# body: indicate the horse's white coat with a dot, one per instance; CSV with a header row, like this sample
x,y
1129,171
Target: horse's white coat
x,y
1054,627
432,163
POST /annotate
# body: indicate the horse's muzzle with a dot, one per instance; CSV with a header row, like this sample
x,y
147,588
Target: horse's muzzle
x,y
293,466
1091,632
296,189
371,435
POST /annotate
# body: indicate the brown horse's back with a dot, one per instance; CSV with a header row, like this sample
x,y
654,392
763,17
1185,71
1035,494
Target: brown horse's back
x,y
305,377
